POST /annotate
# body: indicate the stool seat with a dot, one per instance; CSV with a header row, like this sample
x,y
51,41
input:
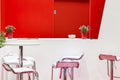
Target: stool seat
x,y
67,64
107,57
22,70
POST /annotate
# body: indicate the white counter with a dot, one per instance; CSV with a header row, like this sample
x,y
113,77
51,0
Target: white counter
x,y
51,50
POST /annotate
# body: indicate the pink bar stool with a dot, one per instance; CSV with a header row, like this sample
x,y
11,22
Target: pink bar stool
x,y
110,58
67,67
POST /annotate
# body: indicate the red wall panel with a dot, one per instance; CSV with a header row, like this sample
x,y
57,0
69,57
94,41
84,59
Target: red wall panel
x,y
70,15
73,13
0,15
32,18
96,12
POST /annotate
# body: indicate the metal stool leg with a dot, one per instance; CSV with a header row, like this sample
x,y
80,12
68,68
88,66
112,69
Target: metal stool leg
x,y
72,73
52,72
36,76
64,74
111,70
2,73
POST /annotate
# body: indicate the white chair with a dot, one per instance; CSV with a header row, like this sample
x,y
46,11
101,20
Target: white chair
x,y
21,70
14,61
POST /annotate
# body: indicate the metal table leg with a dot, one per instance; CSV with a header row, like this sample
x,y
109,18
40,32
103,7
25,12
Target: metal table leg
x,y
21,60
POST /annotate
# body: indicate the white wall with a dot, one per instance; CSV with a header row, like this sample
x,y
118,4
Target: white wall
x,y
109,33
91,68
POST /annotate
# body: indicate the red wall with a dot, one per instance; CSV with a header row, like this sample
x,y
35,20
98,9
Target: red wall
x,y
70,15
32,18
0,15
35,18
96,11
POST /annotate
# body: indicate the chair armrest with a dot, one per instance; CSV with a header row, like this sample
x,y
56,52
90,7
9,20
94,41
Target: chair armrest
x,y
7,67
67,58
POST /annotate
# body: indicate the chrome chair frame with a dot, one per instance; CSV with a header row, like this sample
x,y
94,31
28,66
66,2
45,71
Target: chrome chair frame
x,y
20,70
29,60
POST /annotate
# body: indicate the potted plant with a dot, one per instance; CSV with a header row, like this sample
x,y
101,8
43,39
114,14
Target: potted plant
x,y
2,39
9,30
84,31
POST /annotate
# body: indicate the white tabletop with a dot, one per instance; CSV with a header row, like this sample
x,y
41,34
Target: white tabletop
x,y
22,42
